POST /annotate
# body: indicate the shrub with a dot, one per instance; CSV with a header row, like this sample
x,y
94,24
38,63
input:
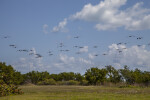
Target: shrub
x,y
84,82
72,82
9,89
127,86
2,82
47,82
61,83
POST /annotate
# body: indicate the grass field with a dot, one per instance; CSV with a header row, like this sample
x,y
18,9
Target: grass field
x,y
80,93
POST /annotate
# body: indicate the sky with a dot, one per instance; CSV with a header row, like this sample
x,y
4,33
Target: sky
x,y
74,35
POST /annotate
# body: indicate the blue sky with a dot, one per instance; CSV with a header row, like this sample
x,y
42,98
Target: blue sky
x,y
97,27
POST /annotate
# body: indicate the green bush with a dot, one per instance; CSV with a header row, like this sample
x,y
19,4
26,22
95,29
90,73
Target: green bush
x,y
84,82
72,82
2,82
9,90
127,86
61,83
47,82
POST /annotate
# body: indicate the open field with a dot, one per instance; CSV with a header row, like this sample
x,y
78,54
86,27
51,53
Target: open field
x,y
80,93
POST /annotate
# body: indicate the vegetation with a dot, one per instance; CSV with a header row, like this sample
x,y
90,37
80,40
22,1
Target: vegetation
x,y
66,92
10,78
9,90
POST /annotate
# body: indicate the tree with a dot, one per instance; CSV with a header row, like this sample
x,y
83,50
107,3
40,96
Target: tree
x,y
66,76
44,75
146,78
18,78
34,76
7,73
113,74
95,75
78,77
55,77
127,75
138,76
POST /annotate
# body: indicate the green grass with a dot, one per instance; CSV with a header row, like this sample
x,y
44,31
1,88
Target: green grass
x,y
80,93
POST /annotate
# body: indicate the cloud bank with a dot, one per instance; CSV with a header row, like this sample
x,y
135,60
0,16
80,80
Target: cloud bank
x,y
108,15
74,64
26,64
134,56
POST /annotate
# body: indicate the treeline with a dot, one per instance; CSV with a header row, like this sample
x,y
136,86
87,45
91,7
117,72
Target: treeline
x,y
92,76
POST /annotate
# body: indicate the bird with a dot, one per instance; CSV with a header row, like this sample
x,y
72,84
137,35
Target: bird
x,y
96,55
104,54
119,43
131,36
24,50
81,47
78,52
50,54
6,37
139,45
95,46
61,50
31,53
12,45
120,51
75,46
61,45
76,37
38,56
67,50
138,38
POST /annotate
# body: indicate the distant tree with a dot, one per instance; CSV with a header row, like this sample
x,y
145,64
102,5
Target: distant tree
x,y
56,77
34,76
18,78
66,76
146,78
44,75
78,77
113,74
95,75
127,75
138,76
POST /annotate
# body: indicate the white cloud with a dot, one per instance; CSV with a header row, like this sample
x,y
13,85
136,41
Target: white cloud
x,y
108,15
26,64
82,60
84,49
61,26
67,63
134,56
91,55
65,59
64,63
45,28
